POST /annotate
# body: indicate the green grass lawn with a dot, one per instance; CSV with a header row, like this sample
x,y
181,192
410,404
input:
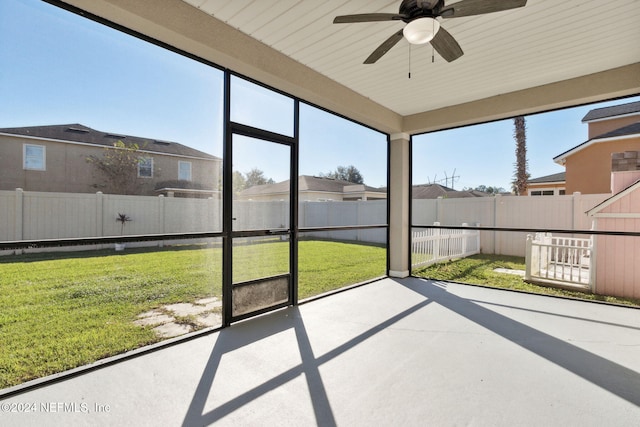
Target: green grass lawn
x,y
478,269
63,310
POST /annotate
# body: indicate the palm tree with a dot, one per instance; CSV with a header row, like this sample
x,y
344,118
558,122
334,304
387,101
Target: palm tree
x,y
521,175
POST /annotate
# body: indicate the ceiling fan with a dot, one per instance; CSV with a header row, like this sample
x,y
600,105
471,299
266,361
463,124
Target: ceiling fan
x,y
423,27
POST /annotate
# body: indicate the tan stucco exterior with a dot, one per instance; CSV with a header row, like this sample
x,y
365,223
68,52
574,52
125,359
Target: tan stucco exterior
x,y
67,170
599,127
589,170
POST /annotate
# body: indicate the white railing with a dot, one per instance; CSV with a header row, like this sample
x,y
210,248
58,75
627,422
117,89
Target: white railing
x,y
435,245
560,260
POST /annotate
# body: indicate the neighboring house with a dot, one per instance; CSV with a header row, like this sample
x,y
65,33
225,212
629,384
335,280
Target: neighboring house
x,y
54,159
611,130
617,266
433,191
321,189
550,185
313,188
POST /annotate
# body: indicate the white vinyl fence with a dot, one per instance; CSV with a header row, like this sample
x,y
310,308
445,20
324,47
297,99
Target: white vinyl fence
x,y
560,260
436,245
544,212
28,215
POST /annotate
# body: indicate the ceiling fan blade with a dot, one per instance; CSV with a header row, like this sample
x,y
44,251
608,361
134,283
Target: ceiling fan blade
x,y
368,17
446,45
479,7
384,48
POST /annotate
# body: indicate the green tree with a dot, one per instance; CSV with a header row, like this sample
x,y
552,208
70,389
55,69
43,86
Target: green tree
x,y
256,177
239,182
346,173
252,178
521,174
486,189
117,168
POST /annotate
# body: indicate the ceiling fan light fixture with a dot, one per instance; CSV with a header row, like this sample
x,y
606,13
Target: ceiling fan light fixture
x,y
421,30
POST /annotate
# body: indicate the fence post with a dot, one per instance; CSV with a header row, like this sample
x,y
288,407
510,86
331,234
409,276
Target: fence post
x,y
161,218
436,242
18,230
593,258
576,210
99,229
497,200
465,235
527,257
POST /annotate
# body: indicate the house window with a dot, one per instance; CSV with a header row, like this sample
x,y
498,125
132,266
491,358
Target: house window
x,y
34,157
542,193
184,171
145,167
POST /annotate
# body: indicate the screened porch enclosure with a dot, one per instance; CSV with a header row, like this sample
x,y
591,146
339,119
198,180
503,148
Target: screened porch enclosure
x,y
180,249
225,251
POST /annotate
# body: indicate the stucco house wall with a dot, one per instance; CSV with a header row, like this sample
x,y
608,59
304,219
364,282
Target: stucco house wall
x,y
599,127
612,129
66,168
589,170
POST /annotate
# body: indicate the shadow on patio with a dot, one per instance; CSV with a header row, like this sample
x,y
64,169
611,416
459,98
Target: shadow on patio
x,y
395,352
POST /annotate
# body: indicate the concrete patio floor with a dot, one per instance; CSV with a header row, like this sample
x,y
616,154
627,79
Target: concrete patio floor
x,y
391,353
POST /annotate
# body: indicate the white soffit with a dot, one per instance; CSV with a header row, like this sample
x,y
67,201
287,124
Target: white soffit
x,y
544,42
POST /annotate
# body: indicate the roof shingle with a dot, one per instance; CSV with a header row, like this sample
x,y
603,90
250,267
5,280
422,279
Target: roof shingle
x,y
556,177
615,110
80,133
306,183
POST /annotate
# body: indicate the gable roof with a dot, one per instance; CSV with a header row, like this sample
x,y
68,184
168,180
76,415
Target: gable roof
x,y
83,134
611,200
308,183
615,110
556,177
433,191
316,183
620,133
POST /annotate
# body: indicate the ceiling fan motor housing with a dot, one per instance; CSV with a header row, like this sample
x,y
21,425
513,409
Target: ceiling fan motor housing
x,y
414,9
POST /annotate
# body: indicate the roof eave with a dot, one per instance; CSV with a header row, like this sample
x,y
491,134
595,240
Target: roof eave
x,y
596,209
562,158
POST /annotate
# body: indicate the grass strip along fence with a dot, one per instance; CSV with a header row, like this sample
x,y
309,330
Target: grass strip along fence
x,y
480,270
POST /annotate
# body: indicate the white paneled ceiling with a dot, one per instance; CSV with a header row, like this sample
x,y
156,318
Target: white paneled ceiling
x,y
544,42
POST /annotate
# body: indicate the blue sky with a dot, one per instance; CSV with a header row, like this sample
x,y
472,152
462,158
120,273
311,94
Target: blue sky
x,y
56,68
485,154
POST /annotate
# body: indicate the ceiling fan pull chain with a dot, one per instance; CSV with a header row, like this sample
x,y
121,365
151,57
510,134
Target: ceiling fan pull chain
x,y
433,50
409,60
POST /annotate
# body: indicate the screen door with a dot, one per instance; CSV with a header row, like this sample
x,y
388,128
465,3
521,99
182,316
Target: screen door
x,y
261,226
